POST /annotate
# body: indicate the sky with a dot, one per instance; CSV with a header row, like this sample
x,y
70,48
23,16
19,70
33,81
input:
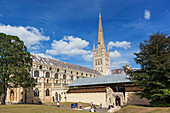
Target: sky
x,y
67,29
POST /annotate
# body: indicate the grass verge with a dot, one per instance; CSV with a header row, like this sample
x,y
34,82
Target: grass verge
x,y
25,108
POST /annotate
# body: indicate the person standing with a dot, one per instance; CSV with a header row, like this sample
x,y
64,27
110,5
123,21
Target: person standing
x,y
53,101
91,104
100,105
80,105
58,104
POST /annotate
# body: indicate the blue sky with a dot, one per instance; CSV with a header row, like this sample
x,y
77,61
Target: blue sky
x,y
66,29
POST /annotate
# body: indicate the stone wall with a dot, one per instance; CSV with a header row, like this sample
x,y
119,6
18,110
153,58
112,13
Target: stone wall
x,y
96,98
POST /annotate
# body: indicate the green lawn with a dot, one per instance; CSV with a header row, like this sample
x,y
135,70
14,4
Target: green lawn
x,y
140,109
35,109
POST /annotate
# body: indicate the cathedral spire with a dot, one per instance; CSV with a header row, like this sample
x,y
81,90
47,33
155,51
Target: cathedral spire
x,y
101,57
100,42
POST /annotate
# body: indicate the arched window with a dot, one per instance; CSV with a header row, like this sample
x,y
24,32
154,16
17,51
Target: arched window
x,y
47,75
77,73
81,74
56,76
71,72
59,97
36,80
56,81
56,96
36,73
47,80
58,70
50,68
36,92
64,76
47,92
65,71
40,66
71,77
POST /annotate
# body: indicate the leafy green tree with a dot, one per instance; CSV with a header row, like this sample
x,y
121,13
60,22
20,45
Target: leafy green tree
x,y
15,64
0,88
154,75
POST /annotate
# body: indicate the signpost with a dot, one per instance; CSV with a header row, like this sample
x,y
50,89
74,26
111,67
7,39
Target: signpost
x,y
74,105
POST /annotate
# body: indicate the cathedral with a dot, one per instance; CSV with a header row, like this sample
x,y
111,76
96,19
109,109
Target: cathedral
x,y
68,82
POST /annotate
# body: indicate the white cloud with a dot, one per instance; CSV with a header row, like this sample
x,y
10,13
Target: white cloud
x,y
30,35
119,64
114,55
147,14
70,46
117,44
35,47
88,57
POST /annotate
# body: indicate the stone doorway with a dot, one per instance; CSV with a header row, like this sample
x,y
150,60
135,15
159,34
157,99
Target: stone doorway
x,y
21,97
117,101
12,96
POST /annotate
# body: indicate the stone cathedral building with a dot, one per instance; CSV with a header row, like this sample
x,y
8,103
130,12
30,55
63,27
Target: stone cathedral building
x,y
68,82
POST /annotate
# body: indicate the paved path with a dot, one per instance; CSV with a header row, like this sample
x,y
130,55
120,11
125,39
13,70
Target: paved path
x,y
101,110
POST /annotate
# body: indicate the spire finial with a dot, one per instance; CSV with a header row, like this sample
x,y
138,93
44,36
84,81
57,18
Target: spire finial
x,y
130,67
107,47
126,65
99,13
93,47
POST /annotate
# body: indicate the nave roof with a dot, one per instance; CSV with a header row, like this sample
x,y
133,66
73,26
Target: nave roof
x,y
54,62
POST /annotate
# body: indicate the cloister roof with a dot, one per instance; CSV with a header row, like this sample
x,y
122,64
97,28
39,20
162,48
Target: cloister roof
x,y
54,62
109,79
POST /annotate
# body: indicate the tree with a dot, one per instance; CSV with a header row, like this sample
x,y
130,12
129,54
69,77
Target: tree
x,y
15,64
154,75
0,88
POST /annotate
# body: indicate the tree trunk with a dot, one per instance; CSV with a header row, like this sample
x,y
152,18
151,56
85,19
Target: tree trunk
x,y
4,90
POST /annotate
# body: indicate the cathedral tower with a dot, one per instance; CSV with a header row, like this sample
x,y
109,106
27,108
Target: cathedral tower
x,y
101,57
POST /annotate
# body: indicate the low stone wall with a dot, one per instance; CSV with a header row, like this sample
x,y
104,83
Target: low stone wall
x,y
133,99
96,98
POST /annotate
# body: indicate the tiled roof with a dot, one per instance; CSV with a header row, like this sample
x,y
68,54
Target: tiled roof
x,y
118,71
53,62
109,79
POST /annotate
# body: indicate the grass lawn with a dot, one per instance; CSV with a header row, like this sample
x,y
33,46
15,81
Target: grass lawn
x,y
26,108
140,109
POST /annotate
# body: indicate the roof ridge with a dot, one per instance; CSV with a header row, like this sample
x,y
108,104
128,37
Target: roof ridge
x,y
65,63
